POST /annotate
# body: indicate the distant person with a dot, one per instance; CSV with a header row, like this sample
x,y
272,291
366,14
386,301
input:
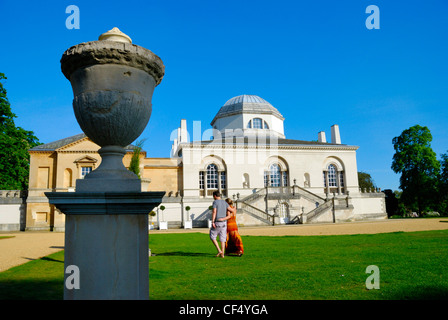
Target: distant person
x,y
234,244
219,223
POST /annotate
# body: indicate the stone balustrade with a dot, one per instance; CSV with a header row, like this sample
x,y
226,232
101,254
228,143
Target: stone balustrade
x,y
12,193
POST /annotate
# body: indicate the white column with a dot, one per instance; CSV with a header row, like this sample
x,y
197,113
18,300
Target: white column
x,y
338,182
326,181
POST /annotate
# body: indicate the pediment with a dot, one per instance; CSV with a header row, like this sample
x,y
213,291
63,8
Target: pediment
x,y
81,145
86,159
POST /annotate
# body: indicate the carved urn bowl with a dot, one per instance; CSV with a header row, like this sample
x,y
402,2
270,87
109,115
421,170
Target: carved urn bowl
x,y
113,81
112,84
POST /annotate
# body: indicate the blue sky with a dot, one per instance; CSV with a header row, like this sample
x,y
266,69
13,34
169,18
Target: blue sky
x,y
315,61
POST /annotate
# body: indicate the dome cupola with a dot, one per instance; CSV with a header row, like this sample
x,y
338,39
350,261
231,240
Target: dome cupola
x,y
248,115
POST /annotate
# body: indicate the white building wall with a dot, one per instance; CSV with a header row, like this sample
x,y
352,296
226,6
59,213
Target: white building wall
x,y
243,163
12,210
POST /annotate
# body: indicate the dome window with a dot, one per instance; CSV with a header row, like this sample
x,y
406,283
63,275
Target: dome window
x,y
257,123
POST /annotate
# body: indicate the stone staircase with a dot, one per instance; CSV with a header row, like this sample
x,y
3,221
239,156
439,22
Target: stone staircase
x,y
255,205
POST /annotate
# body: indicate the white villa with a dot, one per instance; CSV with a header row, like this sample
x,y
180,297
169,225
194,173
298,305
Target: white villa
x,y
274,179
246,156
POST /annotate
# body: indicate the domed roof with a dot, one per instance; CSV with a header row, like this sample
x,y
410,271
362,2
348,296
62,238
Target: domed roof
x,y
246,104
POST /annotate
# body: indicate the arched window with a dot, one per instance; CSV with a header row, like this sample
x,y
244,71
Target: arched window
x,y
257,123
211,179
333,180
275,177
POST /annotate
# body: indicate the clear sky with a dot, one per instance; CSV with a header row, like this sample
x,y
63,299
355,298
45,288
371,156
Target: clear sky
x,y
315,61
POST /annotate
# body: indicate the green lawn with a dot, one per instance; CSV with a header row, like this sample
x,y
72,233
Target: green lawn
x,y
412,266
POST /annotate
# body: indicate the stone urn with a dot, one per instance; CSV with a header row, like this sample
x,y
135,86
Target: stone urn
x,y
113,82
106,218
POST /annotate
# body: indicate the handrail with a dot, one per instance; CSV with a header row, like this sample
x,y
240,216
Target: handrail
x,y
319,210
254,210
309,192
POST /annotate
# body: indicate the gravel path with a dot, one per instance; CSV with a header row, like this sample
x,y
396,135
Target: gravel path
x,y
27,246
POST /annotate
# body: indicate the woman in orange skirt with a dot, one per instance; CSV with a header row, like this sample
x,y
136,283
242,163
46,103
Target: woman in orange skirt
x,y
234,244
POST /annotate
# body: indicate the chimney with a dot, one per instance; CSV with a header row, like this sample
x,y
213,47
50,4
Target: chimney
x,y
174,148
183,133
321,137
335,136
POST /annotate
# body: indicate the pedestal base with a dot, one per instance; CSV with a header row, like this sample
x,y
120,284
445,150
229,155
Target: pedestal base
x,y
111,253
106,239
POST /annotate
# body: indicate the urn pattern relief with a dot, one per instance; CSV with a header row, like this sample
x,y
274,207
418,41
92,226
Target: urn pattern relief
x,y
113,82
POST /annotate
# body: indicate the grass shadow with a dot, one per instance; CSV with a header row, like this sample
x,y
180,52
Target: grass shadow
x,y
44,259
420,293
184,254
32,289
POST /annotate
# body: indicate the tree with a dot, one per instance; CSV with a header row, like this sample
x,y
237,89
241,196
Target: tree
x,y
443,184
134,166
365,181
14,145
419,168
391,201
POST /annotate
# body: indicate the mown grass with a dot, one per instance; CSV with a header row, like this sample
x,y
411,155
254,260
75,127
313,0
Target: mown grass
x,y
6,237
412,266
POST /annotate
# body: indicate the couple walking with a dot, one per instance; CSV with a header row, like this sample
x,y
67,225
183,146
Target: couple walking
x,y
224,225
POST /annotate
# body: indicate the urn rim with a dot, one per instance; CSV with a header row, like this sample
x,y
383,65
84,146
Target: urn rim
x,y
112,52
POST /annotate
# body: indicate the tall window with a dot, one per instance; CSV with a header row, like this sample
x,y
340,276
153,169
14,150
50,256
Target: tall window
x,y
285,178
274,172
341,178
85,171
212,176
201,180
332,176
223,180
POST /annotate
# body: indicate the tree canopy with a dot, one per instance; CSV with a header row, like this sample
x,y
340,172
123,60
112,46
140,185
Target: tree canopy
x,y
365,181
14,145
417,163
